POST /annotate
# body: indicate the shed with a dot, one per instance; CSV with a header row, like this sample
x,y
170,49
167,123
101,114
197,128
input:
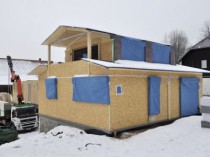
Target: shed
x,y
198,56
112,83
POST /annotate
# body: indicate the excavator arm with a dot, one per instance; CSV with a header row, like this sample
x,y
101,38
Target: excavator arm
x,y
15,78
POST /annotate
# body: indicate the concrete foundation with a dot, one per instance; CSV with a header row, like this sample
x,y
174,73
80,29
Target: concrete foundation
x,y
48,123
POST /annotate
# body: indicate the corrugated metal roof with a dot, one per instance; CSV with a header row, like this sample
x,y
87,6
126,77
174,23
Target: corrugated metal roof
x,y
21,68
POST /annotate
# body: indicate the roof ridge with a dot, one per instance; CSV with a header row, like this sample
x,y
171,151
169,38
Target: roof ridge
x,y
199,42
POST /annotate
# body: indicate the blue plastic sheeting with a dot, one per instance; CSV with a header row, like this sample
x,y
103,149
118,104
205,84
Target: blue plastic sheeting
x,y
154,95
189,96
133,49
51,88
91,89
161,53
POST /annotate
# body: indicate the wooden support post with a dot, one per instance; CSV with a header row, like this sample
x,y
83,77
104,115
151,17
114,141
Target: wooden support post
x,y
68,55
99,49
49,59
89,45
88,68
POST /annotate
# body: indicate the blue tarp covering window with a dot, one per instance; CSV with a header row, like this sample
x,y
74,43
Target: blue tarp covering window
x,y
51,88
189,96
91,89
154,95
161,53
133,49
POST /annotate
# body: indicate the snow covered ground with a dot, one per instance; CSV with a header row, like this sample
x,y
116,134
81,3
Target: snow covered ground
x,y
184,137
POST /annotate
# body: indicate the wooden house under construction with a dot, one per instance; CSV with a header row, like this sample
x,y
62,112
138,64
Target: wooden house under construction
x,y
112,83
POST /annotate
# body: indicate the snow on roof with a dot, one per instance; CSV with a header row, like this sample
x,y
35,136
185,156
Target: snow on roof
x,y
21,68
205,43
205,101
125,64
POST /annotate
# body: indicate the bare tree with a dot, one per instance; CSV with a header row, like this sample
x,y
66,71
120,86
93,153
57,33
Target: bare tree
x,y
205,29
179,41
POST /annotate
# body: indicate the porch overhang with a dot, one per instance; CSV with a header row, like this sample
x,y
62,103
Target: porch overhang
x,y
65,36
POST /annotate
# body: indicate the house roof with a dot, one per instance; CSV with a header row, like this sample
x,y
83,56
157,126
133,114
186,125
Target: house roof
x,y
125,64
21,67
204,43
65,36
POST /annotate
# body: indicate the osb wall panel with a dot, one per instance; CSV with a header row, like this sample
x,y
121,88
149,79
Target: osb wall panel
x,y
25,90
75,68
30,96
174,98
83,44
106,51
69,69
130,108
95,115
177,75
78,45
97,70
125,112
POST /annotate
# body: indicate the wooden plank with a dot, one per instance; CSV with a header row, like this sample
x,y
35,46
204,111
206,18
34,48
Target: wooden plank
x,y
75,40
89,45
49,59
67,38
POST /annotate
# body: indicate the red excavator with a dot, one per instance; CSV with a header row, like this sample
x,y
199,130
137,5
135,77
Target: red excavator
x,y
15,78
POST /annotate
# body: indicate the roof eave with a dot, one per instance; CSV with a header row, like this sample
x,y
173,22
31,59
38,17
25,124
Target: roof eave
x,y
59,31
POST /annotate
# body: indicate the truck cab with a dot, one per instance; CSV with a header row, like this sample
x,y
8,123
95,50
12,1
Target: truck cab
x,y
24,117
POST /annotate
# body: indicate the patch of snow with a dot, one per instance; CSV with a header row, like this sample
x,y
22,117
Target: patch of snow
x,y
52,77
206,117
205,101
86,75
184,137
25,77
25,135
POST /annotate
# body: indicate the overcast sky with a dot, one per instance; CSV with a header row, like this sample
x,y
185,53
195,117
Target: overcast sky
x,y
25,24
